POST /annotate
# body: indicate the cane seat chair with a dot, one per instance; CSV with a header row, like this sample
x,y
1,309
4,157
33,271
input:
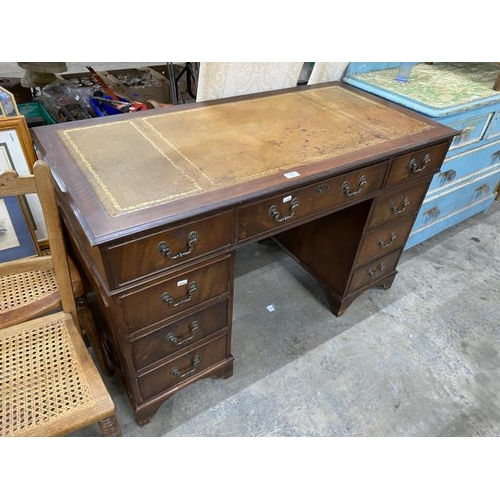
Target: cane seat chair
x,y
32,293
49,384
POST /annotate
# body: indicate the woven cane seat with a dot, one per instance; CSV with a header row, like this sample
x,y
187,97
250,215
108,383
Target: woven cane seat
x,y
20,290
48,383
29,294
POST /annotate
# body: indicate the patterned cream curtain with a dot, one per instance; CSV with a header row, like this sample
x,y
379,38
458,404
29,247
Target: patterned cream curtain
x,y
226,79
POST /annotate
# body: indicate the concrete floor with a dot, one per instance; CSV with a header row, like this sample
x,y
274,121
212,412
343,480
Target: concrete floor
x,y
420,359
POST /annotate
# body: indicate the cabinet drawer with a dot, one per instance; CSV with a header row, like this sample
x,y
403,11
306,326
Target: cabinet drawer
x,y
183,368
464,164
424,232
179,335
398,204
185,290
446,203
384,240
157,252
471,130
494,126
375,271
417,163
292,206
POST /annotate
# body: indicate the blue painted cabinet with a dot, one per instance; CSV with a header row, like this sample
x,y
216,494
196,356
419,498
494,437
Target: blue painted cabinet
x,y
461,96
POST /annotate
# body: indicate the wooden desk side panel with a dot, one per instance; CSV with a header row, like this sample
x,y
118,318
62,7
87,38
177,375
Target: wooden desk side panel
x,y
327,247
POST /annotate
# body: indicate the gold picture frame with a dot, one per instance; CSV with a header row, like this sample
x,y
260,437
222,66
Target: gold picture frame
x,y
17,153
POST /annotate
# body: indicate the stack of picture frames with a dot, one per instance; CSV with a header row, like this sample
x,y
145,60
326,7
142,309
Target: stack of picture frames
x,y
22,226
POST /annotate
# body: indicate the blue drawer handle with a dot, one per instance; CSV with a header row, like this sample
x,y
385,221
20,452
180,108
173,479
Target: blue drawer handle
x,y
482,189
465,133
432,213
448,176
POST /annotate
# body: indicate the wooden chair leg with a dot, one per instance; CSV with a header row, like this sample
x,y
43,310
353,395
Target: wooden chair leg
x,y
110,427
90,329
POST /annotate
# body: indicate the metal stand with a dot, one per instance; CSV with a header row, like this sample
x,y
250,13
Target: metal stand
x,y
190,69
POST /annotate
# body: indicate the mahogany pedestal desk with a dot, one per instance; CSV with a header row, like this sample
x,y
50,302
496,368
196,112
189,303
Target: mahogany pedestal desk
x,y
155,204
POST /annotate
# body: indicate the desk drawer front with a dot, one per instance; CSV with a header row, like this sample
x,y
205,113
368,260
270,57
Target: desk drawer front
x,y
175,295
417,163
277,212
375,271
163,250
179,335
183,368
397,205
384,240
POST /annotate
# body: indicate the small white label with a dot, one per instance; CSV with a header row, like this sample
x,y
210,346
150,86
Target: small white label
x,y
270,308
291,175
182,282
288,198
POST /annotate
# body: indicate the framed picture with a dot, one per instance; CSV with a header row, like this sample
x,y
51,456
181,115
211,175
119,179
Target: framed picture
x,y
16,237
8,106
17,153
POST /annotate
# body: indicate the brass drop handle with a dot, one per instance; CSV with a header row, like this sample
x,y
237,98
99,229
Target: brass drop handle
x,y
275,214
347,190
168,299
375,272
396,211
164,249
193,327
183,374
388,243
321,189
415,168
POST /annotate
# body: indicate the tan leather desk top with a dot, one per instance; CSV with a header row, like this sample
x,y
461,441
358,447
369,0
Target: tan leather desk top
x,y
162,164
